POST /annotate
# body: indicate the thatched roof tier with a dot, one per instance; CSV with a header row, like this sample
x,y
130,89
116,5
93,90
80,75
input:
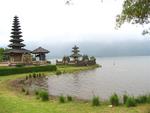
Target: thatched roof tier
x,y
17,51
40,50
16,36
75,55
16,40
16,32
16,45
75,51
75,47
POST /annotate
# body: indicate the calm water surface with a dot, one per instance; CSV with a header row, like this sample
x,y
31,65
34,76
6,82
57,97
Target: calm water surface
x,y
122,75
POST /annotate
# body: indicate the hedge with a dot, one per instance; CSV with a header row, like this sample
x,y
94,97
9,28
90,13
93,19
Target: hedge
x,y
21,70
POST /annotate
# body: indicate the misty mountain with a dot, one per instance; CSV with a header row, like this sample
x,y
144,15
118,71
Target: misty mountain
x,y
98,49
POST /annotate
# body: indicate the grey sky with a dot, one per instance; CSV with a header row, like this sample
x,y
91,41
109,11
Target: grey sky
x,y
52,22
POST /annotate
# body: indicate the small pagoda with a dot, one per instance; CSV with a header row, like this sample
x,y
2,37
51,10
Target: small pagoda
x,y
16,52
75,53
40,53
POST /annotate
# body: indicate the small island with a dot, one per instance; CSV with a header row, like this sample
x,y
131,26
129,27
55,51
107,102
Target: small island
x,y
77,59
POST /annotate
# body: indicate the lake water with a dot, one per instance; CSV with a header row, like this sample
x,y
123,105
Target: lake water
x,y
130,75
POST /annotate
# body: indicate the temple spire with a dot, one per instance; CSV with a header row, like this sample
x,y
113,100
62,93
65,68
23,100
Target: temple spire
x,y
75,51
16,35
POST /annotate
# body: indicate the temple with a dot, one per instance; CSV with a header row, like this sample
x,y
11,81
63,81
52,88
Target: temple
x,y
16,52
77,59
75,55
40,53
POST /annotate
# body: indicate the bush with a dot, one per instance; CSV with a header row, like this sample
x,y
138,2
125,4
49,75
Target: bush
x,y
148,99
130,102
58,72
125,97
141,99
23,90
19,65
36,92
114,100
44,95
69,98
62,99
95,101
20,70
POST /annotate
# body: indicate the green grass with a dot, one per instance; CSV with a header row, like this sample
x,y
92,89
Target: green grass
x,y
12,101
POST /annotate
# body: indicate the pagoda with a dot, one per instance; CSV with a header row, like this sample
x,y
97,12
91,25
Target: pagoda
x,y
40,53
16,52
75,55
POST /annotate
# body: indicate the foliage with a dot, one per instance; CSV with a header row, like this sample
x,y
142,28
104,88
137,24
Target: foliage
x,y
44,95
69,98
95,101
142,99
114,100
58,72
19,65
130,102
85,58
20,70
62,99
135,12
125,97
1,54
23,90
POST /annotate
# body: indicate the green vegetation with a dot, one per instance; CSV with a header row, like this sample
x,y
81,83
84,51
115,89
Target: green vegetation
x,y
43,95
95,101
1,54
19,70
75,69
125,97
135,12
58,72
114,100
69,98
130,102
62,99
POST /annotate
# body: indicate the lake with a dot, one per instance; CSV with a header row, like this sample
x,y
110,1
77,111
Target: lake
x,y
122,75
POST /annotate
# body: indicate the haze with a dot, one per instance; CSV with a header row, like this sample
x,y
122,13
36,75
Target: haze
x,y
88,23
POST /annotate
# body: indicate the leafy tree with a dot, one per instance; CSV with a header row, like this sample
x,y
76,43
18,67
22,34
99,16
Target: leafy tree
x,y
135,12
1,54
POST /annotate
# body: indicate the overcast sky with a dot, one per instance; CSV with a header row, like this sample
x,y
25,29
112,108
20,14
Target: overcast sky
x,y
52,21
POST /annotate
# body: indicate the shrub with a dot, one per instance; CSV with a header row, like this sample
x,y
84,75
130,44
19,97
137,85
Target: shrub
x,y
130,102
58,72
19,65
148,98
36,92
125,97
95,101
20,70
69,98
114,100
141,99
62,99
23,90
44,95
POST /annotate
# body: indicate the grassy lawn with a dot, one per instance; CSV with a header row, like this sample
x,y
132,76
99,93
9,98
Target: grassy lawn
x,y
16,102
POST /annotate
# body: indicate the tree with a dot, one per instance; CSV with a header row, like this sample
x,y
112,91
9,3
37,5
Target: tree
x,y
135,12
1,54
